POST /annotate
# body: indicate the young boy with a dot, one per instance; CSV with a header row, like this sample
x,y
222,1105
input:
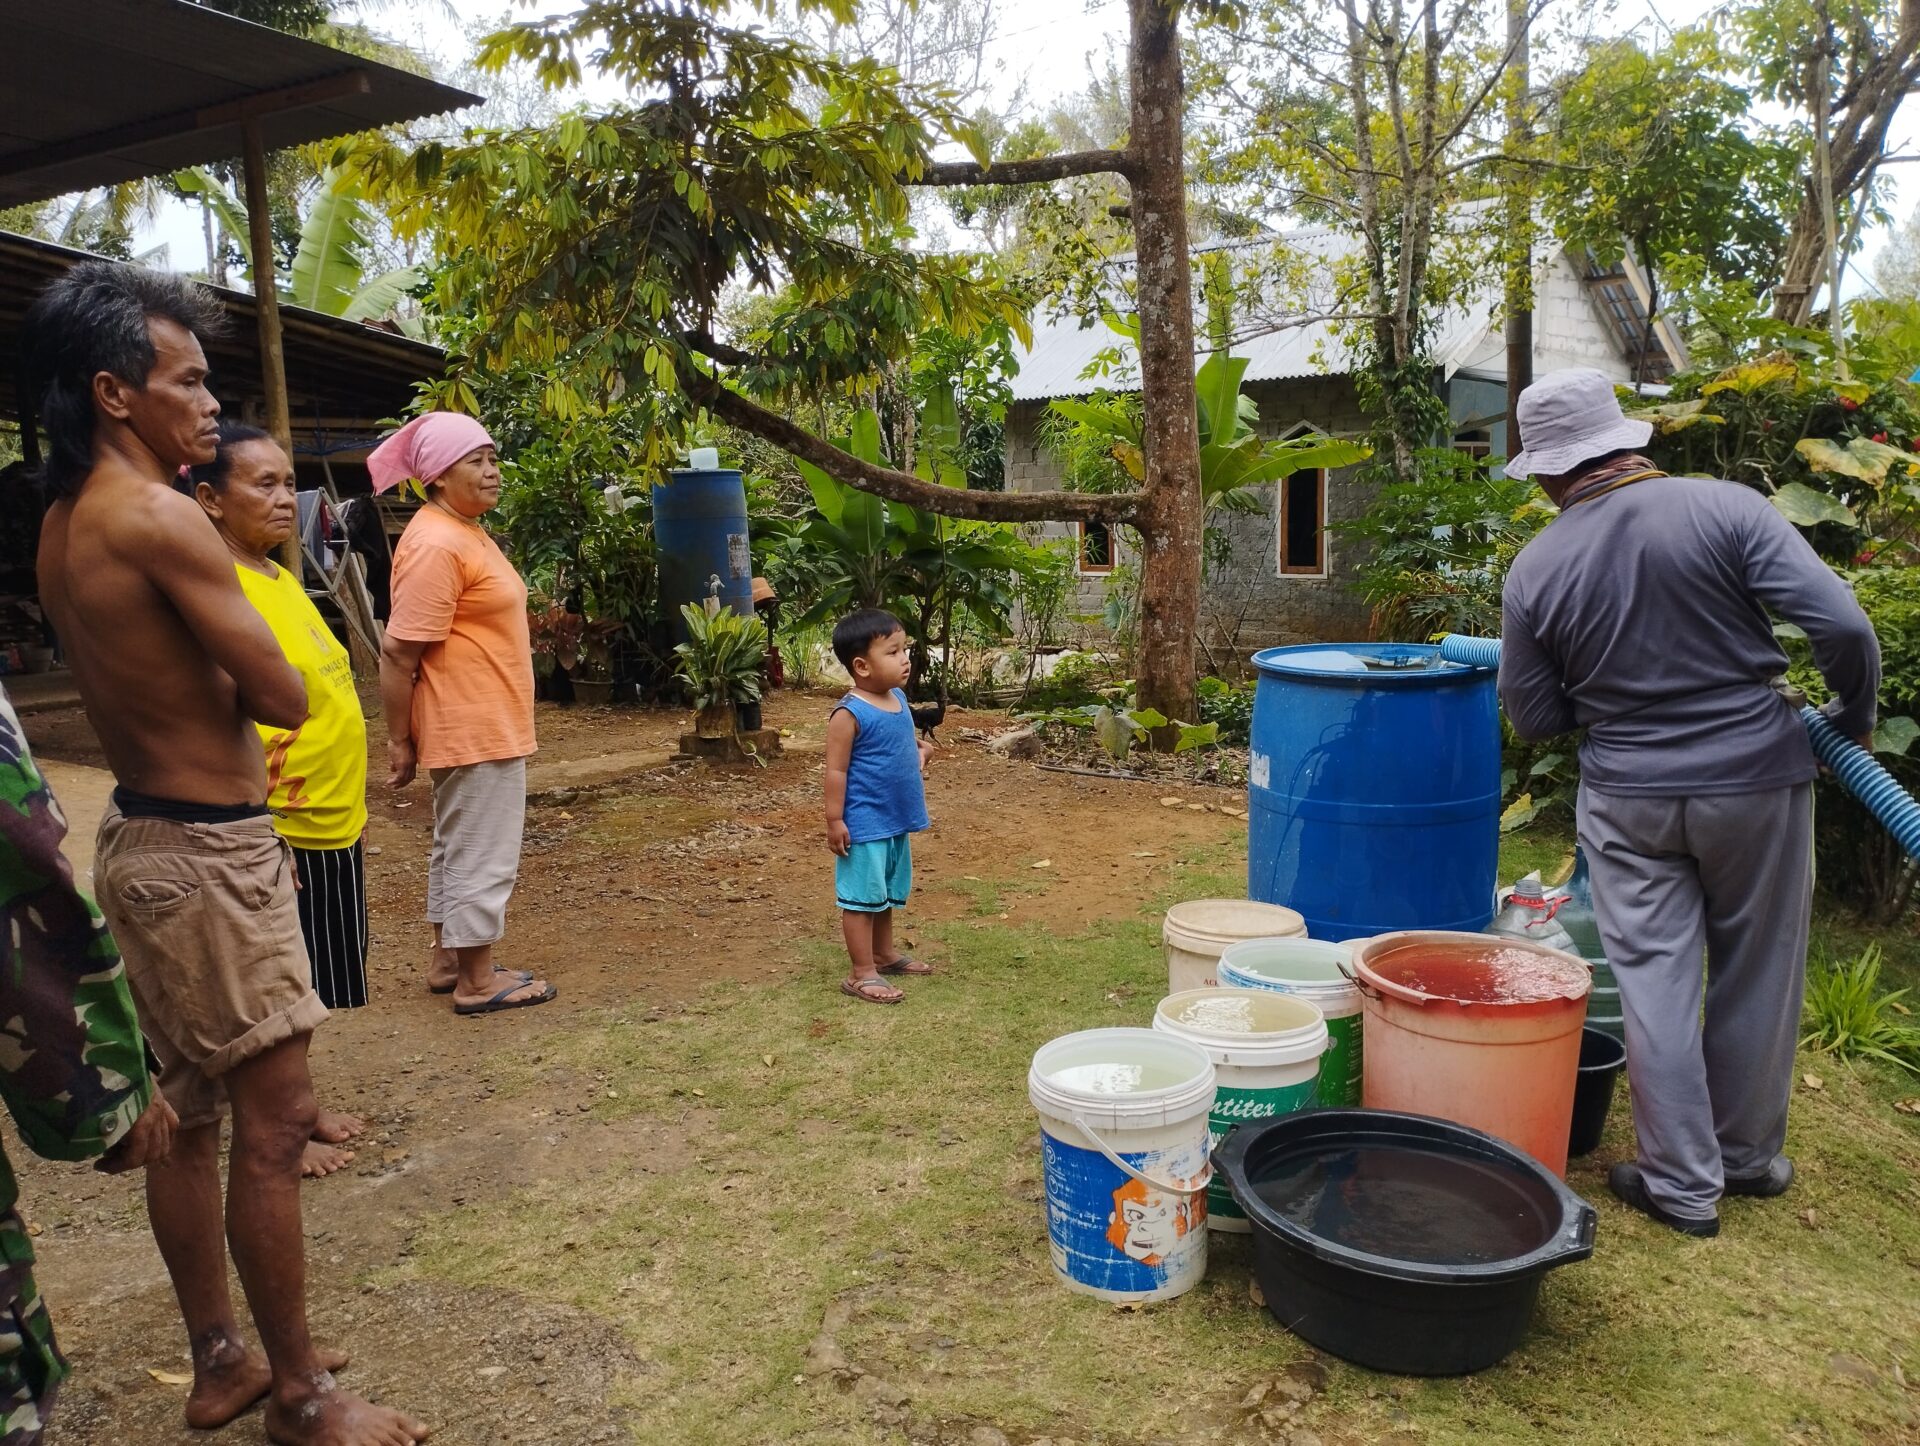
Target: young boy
x,y
875,799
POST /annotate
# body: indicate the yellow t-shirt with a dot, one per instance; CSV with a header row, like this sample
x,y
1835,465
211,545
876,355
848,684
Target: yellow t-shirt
x,y
316,774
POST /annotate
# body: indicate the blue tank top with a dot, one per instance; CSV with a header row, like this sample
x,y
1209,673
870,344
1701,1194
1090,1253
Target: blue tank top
x,y
885,794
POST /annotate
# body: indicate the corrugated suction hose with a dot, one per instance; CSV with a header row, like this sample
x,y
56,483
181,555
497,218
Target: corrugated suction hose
x,y
1856,769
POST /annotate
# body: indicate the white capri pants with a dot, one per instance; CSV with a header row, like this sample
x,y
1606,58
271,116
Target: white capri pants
x,y
479,814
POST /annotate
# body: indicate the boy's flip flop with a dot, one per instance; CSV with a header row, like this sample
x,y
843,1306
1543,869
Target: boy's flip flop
x,y
906,964
500,1000
862,989
526,977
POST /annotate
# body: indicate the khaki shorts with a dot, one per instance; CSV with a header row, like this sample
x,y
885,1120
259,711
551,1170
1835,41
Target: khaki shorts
x,y
206,918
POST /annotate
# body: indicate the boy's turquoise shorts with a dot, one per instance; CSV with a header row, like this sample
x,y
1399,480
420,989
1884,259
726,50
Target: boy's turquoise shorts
x,y
875,876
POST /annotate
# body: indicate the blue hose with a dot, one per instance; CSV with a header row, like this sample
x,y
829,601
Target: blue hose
x,y
1854,767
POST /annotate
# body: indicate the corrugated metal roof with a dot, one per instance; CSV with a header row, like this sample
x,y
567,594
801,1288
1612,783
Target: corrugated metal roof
x,y
334,367
1278,347
95,92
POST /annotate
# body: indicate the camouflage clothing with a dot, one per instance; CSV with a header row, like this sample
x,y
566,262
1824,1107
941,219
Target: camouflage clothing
x,y
73,1067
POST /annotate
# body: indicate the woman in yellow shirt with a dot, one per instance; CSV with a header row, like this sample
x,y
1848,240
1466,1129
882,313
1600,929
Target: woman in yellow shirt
x,y
317,773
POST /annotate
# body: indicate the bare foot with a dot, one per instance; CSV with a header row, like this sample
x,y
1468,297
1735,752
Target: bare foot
x,y
234,1379
324,1415
336,1127
321,1160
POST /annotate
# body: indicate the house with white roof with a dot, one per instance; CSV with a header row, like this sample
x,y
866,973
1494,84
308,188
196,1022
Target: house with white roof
x,y
1288,574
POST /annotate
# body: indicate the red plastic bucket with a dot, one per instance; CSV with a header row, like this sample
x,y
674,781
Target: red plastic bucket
x,y
1479,1030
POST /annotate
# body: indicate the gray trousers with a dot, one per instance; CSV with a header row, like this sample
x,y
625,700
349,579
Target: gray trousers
x,y
479,815
1727,879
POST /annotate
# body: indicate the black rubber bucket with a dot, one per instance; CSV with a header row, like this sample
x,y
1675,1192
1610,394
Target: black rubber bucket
x,y
1398,1242
1602,1057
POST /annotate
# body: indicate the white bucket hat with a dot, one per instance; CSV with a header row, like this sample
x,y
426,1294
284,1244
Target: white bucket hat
x,y
1569,417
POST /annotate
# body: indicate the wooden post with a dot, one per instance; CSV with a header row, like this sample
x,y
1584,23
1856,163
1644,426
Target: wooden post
x,y
273,361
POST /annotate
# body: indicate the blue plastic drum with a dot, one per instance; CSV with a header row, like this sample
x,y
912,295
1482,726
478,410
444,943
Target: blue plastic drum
x,y
699,533
1374,795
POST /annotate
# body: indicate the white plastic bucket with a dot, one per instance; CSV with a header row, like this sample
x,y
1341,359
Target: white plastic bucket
x,y
1198,931
1265,1047
1309,969
1123,1139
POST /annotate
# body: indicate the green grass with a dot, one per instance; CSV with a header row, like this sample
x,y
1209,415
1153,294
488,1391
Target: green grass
x,y
783,1149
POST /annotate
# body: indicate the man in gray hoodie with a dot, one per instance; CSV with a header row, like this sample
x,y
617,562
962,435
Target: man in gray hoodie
x,y
1642,614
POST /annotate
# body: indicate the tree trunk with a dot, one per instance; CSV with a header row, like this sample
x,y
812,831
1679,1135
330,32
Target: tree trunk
x,y
1170,519
1805,261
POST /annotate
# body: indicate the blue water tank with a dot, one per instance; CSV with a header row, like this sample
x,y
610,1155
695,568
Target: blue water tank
x,y
1374,790
699,533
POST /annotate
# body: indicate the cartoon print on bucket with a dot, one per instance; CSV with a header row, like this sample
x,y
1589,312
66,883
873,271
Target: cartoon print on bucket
x,y
1111,1232
1125,1153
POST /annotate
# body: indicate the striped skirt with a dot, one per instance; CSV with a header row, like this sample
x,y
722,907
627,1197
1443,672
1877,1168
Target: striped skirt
x,y
333,917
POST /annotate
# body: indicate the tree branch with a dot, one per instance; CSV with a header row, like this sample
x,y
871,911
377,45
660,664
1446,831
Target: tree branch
x,y
708,345
1028,172
904,487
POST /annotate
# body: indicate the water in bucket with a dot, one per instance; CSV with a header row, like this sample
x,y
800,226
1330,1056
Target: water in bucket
x,y
1124,1148
1265,1047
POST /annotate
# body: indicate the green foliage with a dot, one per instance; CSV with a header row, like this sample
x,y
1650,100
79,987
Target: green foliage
x,y
328,273
721,660
1857,860
1228,706
598,249
1119,728
1077,680
1234,458
1658,151
1438,547
1838,452
296,17
1537,780
852,549
1848,1013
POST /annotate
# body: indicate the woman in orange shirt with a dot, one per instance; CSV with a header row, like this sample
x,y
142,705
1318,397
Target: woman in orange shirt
x,y
456,688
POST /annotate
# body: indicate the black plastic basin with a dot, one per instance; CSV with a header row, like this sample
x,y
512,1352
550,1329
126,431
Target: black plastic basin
x,y
1602,1057
1398,1242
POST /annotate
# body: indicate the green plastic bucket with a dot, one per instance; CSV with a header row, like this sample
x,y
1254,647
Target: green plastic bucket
x,y
1265,1047
1310,969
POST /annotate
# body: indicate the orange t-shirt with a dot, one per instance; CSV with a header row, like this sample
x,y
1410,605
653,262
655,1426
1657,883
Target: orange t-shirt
x,y
454,590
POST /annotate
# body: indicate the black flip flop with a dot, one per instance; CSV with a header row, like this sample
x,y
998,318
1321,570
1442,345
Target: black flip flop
x,y
526,977
500,1000
907,964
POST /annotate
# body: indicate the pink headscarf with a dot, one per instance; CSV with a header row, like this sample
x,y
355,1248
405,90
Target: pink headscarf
x,y
425,448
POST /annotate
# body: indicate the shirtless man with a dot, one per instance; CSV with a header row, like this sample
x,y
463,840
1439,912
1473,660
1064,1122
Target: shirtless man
x,y
174,667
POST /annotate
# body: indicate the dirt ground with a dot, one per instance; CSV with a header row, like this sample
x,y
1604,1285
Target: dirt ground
x,y
642,881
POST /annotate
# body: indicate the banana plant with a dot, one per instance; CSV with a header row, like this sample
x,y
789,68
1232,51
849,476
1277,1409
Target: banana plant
x,y
329,269
1234,457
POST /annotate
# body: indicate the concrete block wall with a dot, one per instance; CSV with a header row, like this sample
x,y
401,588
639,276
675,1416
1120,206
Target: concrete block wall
x,y
1246,603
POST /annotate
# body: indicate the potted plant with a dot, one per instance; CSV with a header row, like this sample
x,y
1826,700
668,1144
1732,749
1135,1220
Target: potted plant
x,y
567,645
720,663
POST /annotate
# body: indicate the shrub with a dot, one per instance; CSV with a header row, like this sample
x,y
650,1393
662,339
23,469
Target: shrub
x,y
1857,860
1230,705
1847,1014
1078,680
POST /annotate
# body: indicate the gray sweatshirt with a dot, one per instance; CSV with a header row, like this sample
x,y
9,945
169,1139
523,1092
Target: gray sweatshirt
x,y
1641,616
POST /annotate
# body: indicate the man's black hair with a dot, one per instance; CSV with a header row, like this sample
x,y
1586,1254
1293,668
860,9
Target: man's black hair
x,y
860,630
95,319
215,473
